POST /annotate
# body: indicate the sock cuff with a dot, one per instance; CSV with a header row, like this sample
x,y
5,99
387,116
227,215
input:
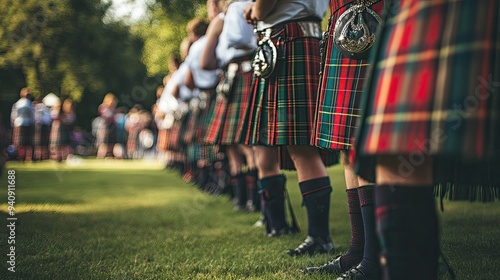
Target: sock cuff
x,y
366,195
311,186
271,181
353,201
404,195
252,172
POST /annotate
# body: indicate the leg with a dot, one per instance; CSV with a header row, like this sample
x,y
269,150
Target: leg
x,y
238,183
253,202
407,223
315,188
271,186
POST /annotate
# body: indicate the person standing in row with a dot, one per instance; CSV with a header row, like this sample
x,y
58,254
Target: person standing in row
x,y
430,116
22,119
282,115
342,83
230,46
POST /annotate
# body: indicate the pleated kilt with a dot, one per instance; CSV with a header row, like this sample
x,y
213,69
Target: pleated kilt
x,y
340,89
282,107
42,135
207,99
434,90
174,136
225,123
22,135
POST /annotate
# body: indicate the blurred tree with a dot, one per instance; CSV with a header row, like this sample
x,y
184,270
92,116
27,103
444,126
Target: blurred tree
x,y
63,46
164,31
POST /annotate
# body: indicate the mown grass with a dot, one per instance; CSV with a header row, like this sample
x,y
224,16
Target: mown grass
x,y
132,220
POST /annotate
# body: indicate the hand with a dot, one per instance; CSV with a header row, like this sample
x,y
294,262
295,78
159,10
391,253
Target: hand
x,y
247,12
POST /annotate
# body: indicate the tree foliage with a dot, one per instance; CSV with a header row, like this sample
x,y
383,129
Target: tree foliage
x,y
63,46
164,31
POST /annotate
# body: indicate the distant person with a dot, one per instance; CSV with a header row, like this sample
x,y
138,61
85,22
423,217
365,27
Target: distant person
x,y
22,119
43,122
106,133
63,119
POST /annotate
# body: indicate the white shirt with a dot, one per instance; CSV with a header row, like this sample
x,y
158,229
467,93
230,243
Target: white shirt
x,y
202,78
22,113
237,38
286,10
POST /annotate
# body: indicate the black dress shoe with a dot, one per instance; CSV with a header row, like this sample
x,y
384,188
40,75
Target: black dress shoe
x,y
312,246
357,273
332,267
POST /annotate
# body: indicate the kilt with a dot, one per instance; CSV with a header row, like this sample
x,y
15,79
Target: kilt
x,y
431,91
341,87
238,105
225,119
207,99
282,107
189,129
162,140
41,137
174,136
22,135
60,134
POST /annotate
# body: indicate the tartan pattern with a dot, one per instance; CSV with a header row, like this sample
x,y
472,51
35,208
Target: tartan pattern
x,y
204,115
283,106
189,129
162,142
174,136
341,87
22,135
434,87
238,105
215,118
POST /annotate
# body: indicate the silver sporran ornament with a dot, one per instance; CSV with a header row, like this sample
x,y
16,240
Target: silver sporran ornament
x,y
355,30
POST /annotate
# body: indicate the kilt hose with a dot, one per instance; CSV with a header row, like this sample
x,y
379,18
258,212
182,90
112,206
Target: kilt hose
x,y
282,108
433,92
340,89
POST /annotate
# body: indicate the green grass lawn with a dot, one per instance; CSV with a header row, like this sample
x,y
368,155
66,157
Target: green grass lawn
x,y
133,220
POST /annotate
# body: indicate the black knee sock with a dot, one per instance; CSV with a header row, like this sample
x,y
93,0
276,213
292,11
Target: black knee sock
x,y
241,190
355,253
252,192
407,227
272,191
316,198
371,248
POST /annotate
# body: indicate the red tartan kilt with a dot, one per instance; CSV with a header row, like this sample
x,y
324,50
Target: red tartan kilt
x,y
215,119
433,91
431,88
340,90
174,134
237,107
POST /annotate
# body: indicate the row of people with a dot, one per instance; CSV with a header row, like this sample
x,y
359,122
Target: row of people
x,y
40,132
424,113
